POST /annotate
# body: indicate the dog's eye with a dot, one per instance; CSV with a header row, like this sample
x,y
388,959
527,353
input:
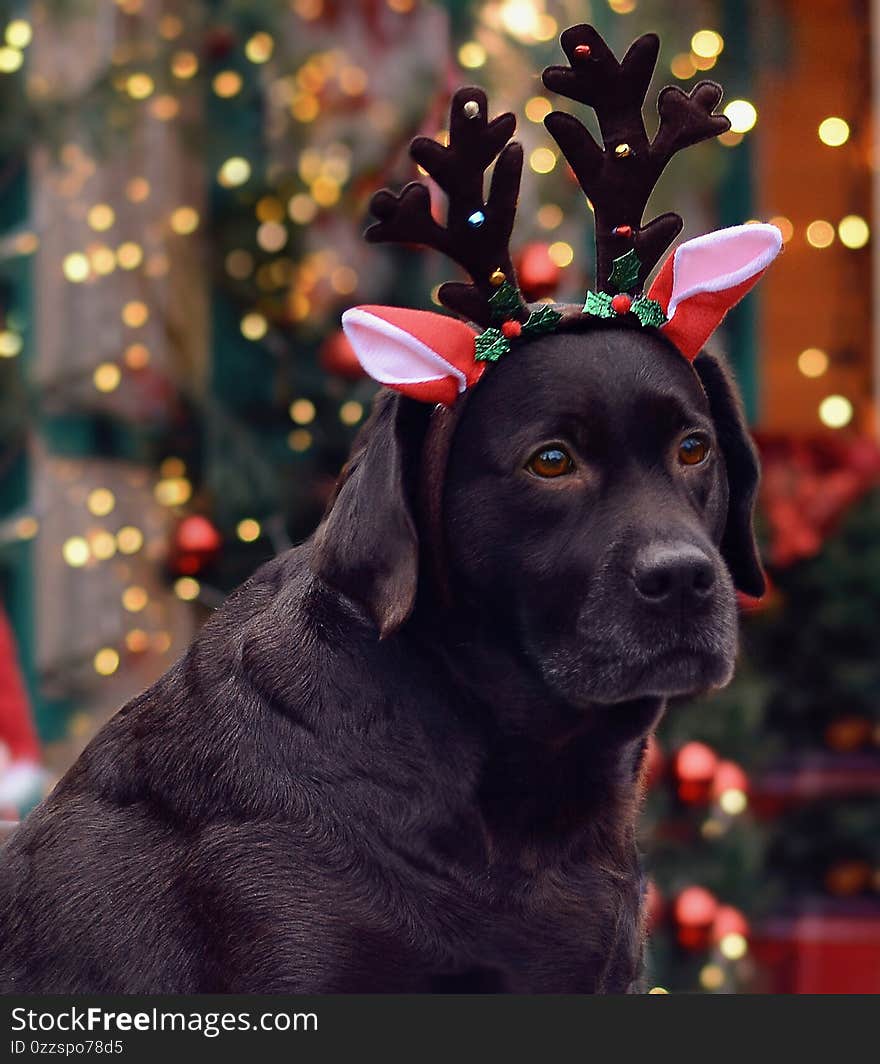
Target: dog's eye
x,y
692,450
550,462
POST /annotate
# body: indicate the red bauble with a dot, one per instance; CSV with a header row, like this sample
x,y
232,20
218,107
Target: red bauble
x,y
729,921
621,303
537,274
195,545
694,766
337,357
729,777
512,329
695,910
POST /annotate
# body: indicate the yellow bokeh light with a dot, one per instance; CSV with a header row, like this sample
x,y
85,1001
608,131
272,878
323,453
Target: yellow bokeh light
x,y
622,7
135,598
129,255
135,313
184,220
550,216
733,946
542,160
103,259
184,65
27,527
106,661
107,377
658,990
707,44
812,362
170,27
561,253
75,267
187,589
165,107
733,801
834,131
172,491
835,411
351,412
137,356
248,530
103,544
820,234
10,60
853,231
537,108
259,48
10,344
325,191
137,640
742,116
137,190
75,551
140,86
172,466
472,55
271,236
227,84
254,326
784,226
682,66
19,33
302,411
353,80
712,977
299,440
129,539
101,217
100,502
269,209
235,171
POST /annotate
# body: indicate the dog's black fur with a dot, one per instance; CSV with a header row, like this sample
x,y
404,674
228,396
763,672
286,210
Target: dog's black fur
x,y
299,805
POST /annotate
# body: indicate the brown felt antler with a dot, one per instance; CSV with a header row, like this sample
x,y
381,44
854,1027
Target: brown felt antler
x,y
477,232
619,179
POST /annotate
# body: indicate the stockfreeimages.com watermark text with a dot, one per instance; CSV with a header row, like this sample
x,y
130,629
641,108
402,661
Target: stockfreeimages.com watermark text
x,y
73,1020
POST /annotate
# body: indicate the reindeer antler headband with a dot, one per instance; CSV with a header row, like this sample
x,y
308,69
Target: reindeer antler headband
x,y
434,358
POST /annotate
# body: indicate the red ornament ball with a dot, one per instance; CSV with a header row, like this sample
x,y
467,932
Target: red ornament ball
x,y
694,767
512,329
583,51
337,357
728,777
621,303
626,231
537,274
729,921
195,545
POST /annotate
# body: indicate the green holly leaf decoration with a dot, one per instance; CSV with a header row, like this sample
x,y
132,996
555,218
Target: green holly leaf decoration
x,y
625,271
543,320
490,345
504,302
649,312
598,304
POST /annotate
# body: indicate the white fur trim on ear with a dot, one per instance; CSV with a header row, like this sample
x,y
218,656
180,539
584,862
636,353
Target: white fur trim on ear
x,y
393,356
721,260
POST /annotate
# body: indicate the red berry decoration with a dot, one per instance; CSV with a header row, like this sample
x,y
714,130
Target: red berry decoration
x,y
695,910
626,231
537,274
621,303
582,51
694,767
511,329
195,545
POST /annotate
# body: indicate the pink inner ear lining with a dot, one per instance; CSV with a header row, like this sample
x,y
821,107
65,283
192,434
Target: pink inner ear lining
x,y
721,260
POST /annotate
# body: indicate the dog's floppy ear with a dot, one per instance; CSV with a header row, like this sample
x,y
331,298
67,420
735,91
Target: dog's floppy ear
x,y
367,546
738,546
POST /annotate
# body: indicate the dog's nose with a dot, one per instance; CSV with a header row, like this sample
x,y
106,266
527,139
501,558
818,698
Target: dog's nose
x,y
673,575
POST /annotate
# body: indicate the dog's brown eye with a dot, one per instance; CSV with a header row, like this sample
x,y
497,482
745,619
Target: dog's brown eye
x,y
692,450
550,462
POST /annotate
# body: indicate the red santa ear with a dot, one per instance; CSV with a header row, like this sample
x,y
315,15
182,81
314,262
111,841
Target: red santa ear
x,y
703,278
427,356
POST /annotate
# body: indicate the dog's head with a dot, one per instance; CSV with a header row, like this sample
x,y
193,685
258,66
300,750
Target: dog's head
x,y
595,509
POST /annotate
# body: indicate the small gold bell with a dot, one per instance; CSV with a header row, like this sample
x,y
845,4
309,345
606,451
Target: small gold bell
x,y
622,151
497,278
471,109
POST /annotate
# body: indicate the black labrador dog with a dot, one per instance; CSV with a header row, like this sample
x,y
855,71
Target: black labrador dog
x,y
406,755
